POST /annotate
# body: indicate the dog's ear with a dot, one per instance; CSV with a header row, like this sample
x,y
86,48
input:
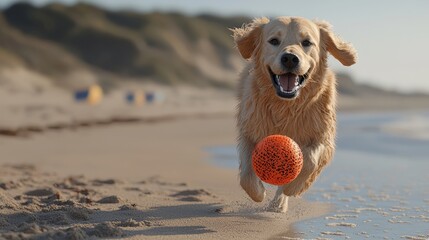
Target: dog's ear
x,y
342,51
247,37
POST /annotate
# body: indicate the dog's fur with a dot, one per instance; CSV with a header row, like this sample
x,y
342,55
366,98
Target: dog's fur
x,y
309,118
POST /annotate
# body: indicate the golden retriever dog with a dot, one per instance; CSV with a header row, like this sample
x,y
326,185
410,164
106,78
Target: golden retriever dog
x,y
288,89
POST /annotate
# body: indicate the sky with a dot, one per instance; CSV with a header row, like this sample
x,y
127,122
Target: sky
x,y
391,36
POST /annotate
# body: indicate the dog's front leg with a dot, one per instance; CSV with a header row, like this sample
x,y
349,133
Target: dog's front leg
x,y
279,202
248,179
312,155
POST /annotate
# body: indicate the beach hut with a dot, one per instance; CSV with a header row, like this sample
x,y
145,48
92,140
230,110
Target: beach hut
x,y
154,97
135,98
150,97
91,95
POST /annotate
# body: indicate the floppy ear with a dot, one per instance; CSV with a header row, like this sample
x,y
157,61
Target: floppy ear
x,y
342,51
247,37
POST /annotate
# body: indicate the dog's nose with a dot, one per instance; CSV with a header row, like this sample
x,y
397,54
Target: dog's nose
x,y
289,60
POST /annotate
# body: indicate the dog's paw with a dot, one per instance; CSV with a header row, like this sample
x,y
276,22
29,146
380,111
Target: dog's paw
x,y
254,189
278,204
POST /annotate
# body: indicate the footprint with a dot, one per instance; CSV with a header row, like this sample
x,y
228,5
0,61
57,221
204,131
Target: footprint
x,y
99,182
192,195
190,199
41,192
127,207
110,199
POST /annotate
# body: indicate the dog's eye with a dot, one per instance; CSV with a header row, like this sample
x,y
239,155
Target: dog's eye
x,y
306,43
274,41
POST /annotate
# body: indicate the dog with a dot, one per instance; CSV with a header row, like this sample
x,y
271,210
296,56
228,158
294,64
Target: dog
x,y
287,88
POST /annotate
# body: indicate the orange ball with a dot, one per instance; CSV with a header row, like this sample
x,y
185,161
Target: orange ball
x,y
277,160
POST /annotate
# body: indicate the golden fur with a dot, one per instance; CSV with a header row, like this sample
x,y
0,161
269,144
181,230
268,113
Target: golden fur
x,y
309,119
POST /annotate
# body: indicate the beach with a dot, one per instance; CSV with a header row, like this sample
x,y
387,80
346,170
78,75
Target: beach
x,y
118,120
134,180
114,170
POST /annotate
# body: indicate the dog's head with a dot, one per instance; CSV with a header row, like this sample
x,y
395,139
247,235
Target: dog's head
x,y
290,50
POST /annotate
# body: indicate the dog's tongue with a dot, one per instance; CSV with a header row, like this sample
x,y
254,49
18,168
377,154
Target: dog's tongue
x,y
287,81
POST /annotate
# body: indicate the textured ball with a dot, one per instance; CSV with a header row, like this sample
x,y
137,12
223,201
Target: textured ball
x,y
277,160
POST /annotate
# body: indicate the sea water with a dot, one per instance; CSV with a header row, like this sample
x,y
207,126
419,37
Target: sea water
x,y
378,181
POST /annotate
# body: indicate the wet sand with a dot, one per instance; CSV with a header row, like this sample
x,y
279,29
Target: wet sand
x,y
378,181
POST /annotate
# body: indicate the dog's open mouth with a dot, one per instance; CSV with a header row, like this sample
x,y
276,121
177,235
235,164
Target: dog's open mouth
x,y
287,85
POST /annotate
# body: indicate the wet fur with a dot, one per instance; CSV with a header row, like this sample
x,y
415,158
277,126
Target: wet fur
x,y
310,119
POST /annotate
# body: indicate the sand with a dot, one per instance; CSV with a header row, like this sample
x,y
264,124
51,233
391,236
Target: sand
x,y
74,171
134,181
26,112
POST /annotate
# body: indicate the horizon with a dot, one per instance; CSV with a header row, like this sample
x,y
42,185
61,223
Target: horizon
x,y
399,29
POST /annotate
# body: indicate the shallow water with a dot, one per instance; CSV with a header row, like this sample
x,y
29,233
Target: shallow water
x,y
378,182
